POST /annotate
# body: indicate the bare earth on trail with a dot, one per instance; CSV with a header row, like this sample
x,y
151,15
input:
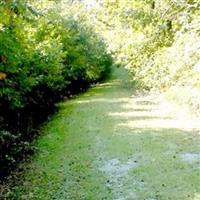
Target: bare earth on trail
x,y
110,143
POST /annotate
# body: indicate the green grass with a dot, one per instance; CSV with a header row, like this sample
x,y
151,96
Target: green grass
x,y
108,144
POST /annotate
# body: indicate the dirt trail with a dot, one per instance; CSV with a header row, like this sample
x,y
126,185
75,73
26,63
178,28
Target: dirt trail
x,y
112,144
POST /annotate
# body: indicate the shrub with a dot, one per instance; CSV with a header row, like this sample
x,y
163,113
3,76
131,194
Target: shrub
x,y
43,56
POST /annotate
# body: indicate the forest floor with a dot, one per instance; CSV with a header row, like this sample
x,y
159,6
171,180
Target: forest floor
x,y
111,143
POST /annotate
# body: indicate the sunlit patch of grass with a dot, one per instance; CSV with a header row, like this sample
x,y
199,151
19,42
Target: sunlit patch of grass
x,y
197,197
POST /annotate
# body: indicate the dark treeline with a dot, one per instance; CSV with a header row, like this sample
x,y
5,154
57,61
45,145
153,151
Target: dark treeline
x,y
46,53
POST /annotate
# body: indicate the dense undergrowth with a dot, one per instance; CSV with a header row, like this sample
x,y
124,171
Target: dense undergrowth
x,y
159,41
46,53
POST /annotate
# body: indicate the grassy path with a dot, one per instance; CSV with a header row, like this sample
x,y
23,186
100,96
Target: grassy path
x,y
109,144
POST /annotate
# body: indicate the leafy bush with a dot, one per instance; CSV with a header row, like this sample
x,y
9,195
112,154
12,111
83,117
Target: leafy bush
x,y
44,55
158,40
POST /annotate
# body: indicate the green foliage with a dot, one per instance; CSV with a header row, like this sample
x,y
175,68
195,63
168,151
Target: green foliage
x,y
41,48
157,40
12,148
44,55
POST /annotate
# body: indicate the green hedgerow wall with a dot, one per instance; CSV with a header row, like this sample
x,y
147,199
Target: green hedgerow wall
x,y
44,56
